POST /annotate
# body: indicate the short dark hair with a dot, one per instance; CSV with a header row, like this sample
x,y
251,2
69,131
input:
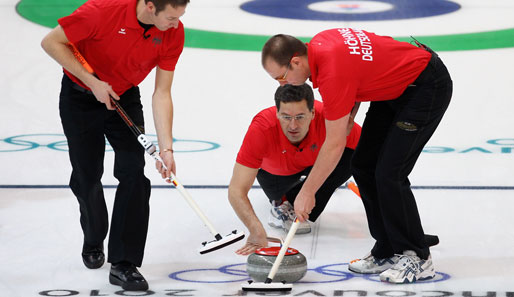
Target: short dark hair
x,y
290,93
281,49
160,5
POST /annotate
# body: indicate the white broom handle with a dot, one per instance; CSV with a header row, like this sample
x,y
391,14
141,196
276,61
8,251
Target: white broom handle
x,y
188,197
283,250
192,203
148,145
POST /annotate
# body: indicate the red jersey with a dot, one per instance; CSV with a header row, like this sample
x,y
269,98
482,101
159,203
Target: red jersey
x,y
107,33
351,65
265,145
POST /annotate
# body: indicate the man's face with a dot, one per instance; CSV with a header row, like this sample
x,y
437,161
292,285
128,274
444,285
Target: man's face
x,y
167,18
296,74
295,118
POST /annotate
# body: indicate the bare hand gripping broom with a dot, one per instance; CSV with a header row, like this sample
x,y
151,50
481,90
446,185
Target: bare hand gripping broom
x,y
207,246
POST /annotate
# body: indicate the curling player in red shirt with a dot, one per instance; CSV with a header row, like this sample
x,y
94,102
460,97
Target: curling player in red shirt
x,y
123,41
409,90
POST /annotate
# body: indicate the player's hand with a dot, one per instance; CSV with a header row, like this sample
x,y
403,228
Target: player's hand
x,y
303,205
254,242
103,93
169,161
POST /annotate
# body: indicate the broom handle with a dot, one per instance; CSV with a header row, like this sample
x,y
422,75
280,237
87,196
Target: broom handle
x,y
283,250
149,146
188,198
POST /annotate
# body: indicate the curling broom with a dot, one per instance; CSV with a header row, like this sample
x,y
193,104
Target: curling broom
x,y
268,285
207,246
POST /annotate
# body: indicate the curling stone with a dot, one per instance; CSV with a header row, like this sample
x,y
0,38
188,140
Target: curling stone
x,y
292,268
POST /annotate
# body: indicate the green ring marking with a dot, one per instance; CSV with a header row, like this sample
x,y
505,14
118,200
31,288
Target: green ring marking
x,y
46,13
455,42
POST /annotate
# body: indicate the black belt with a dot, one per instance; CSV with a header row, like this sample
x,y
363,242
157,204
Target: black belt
x,y
81,89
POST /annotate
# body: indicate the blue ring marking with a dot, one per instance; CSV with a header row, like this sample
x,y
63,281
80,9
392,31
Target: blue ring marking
x,y
323,271
298,9
227,269
496,141
56,145
224,269
213,145
30,144
62,145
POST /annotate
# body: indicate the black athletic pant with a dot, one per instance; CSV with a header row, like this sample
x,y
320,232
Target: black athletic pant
x,y
86,124
276,186
393,135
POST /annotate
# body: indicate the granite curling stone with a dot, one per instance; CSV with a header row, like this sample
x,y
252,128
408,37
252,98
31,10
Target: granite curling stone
x,y
292,268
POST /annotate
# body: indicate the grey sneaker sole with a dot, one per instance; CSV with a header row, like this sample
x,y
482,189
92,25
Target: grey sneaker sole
x,y
376,271
406,280
271,224
301,231
380,266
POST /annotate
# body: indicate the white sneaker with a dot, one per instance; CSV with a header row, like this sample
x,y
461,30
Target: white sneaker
x,y
282,216
409,269
275,215
370,264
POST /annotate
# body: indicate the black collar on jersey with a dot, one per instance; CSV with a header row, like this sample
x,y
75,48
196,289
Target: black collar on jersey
x,y
146,27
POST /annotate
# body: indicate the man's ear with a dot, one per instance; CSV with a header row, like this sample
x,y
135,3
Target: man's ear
x,y
296,60
300,60
150,7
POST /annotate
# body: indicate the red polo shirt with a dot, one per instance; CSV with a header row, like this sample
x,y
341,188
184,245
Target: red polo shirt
x,y
265,145
349,65
108,35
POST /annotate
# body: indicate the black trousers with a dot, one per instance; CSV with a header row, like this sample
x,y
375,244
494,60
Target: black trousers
x,y
86,124
277,186
393,135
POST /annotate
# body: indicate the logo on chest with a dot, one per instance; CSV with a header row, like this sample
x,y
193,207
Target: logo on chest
x,y
156,41
122,31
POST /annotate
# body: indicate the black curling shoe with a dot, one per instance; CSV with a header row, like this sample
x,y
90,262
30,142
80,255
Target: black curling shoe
x,y
93,256
127,276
